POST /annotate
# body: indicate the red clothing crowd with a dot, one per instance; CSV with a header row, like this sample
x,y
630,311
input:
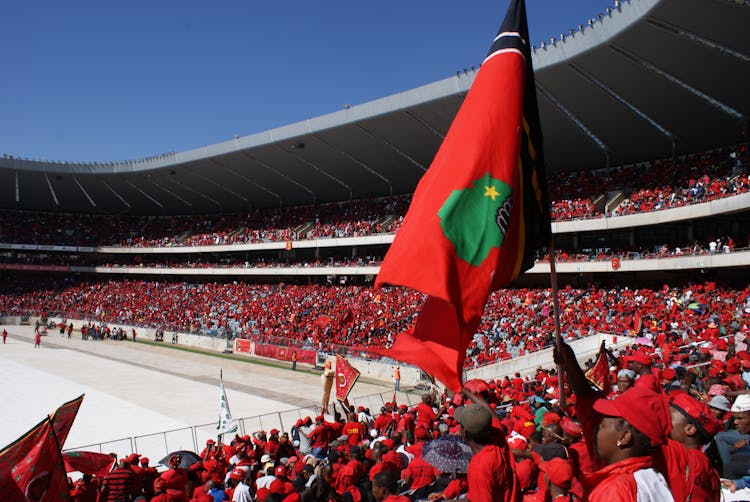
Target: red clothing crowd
x,y
356,318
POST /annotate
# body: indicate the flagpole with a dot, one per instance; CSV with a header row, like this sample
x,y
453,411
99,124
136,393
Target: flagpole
x,y
556,313
57,442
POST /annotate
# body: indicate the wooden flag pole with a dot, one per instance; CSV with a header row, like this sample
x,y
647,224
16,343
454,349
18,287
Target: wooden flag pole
x,y
556,313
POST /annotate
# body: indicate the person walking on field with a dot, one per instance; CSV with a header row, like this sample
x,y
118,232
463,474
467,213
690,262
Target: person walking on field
x,y
397,379
37,339
5,335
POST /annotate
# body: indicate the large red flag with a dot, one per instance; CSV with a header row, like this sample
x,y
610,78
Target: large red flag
x,y
88,462
480,211
346,377
31,468
63,418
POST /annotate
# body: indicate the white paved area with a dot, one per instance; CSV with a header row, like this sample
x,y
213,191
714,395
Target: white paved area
x,y
134,389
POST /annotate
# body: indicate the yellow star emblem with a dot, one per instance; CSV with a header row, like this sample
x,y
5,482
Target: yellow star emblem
x,y
489,191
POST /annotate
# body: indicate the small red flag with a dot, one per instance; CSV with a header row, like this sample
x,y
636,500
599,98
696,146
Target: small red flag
x,y
88,462
598,374
480,211
346,377
637,324
32,468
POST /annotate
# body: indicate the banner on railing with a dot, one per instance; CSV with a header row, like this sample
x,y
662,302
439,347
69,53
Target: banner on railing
x,y
243,346
284,353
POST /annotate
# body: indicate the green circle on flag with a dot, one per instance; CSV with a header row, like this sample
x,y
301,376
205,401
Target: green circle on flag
x,y
476,219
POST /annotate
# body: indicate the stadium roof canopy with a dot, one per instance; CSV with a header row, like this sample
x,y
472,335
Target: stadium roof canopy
x,y
645,80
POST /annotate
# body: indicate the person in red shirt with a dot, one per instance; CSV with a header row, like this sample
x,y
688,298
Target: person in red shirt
x,y
419,473
354,430
272,444
558,476
693,426
176,477
425,414
625,434
320,437
490,473
84,490
385,488
384,421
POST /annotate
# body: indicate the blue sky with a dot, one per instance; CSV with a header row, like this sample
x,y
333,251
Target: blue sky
x,y
105,80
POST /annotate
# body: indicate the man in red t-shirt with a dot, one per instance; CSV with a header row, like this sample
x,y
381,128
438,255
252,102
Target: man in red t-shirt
x,y
354,430
425,414
490,475
320,437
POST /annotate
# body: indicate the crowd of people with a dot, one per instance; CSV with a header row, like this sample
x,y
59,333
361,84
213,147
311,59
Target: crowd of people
x,y
575,195
355,319
186,261
659,421
720,245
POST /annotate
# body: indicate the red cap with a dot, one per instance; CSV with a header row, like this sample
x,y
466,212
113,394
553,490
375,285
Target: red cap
x,y
280,472
668,374
558,471
274,431
571,427
389,443
421,433
733,365
237,474
210,441
643,408
550,418
517,442
640,356
320,418
144,460
696,412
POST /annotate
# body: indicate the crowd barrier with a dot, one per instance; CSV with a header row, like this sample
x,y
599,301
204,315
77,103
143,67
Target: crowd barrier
x,y
157,445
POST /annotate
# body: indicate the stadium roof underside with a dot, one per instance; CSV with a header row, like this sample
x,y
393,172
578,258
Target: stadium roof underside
x,y
647,79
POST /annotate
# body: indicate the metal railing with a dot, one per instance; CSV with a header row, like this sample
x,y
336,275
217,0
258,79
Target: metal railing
x,y
193,438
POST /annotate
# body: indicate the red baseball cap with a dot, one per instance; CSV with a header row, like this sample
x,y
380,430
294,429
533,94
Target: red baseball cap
x,y
643,408
571,427
640,356
559,471
696,412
